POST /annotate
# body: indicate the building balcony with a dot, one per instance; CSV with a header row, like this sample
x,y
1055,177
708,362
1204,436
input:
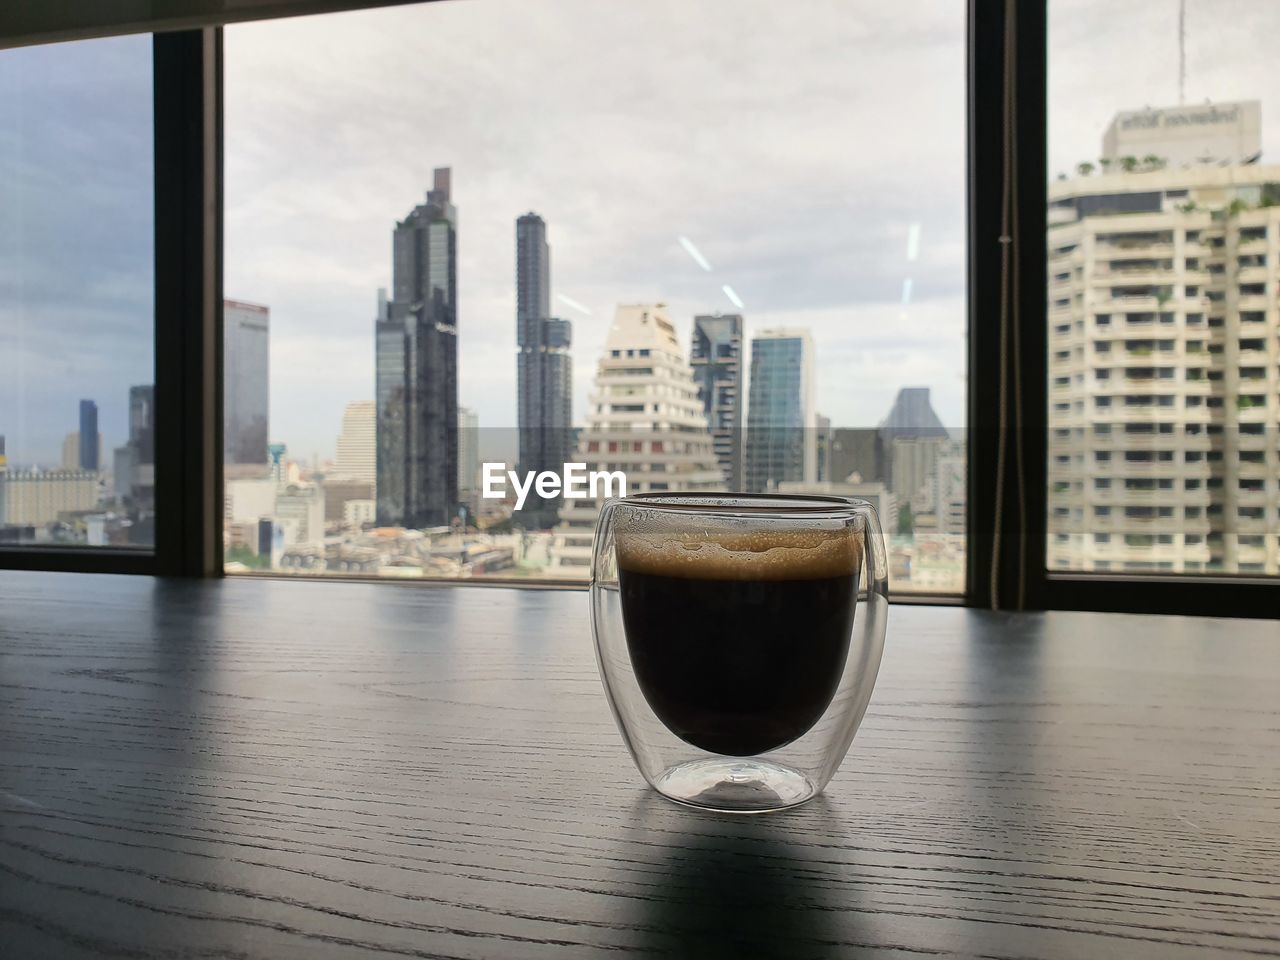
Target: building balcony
x,y
1147,550
1144,468
1256,413
1251,554
1140,358
1106,276
1122,497
1134,302
1142,441
1251,498
1252,525
1173,523
1132,249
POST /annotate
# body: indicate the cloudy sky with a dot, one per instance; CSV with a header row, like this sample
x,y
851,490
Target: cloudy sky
x,y
801,146
76,239
794,144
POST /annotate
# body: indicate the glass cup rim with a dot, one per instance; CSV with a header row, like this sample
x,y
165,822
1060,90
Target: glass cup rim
x,y
810,506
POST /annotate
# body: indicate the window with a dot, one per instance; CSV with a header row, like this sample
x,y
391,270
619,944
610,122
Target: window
x,y
306,281
447,134
1214,420
77,370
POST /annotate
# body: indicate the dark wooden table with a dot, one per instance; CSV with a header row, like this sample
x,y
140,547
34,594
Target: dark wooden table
x,y
299,769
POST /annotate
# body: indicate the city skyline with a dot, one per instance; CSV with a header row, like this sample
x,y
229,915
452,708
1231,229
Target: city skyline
x,y
69,135
614,184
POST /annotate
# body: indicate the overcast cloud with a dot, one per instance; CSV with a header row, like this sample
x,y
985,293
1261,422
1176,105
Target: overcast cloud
x,y
794,143
76,239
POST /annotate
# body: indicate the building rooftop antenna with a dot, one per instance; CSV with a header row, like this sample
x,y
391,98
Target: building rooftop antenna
x,y
1182,52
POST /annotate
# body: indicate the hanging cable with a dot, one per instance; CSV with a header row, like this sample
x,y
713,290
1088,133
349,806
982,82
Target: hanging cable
x,y
1006,241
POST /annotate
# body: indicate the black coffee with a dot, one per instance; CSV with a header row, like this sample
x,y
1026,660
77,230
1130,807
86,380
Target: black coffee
x,y
739,652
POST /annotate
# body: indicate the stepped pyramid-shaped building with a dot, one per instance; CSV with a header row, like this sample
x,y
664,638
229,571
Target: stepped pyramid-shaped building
x,y
643,418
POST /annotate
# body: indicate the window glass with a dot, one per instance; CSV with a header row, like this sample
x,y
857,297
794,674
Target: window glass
x,y
77,354
1164,210
692,244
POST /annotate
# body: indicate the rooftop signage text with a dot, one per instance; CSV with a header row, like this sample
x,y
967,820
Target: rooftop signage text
x,y
1185,117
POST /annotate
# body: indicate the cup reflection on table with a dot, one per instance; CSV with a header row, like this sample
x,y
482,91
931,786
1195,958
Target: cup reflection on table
x,y
738,639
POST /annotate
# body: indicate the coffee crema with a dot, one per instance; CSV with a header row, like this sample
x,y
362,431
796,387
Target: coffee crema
x,y
739,641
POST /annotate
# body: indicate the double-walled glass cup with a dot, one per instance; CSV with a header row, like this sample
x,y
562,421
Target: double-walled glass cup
x,y
738,639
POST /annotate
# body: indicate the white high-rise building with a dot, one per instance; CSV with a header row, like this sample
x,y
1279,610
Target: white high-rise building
x,y
644,418
300,509
948,489
1164,310
357,443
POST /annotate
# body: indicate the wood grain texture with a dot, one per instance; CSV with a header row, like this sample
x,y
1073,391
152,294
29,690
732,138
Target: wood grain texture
x,y
277,769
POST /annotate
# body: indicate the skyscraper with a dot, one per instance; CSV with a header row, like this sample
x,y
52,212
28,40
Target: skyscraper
x,y
357,443
911,435
912,415
246,382
644,419
142,422
468,456
1164,310
134,470
716,357
417,367
88,435
781,419
544,371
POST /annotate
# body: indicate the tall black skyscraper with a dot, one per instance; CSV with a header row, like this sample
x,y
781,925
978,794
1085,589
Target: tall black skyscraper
x,y
544,370
142,422
88,435
134,467
716,358
417,368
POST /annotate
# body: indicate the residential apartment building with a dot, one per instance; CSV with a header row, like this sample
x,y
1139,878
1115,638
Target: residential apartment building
x,y
644,419
1164,368
357,456
39,497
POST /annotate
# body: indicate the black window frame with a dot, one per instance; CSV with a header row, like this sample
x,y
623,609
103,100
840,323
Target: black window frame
x,y
1008,326
187,322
